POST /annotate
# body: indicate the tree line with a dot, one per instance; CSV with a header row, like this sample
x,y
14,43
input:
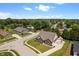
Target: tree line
x,y
70,33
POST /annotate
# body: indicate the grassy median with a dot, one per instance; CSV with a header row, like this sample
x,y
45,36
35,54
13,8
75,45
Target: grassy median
x,y
8,53
39,46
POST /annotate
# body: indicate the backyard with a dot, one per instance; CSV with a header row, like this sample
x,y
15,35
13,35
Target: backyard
x,y
39,46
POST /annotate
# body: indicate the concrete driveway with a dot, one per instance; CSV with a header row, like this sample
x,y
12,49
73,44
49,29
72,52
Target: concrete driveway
x,y
19,46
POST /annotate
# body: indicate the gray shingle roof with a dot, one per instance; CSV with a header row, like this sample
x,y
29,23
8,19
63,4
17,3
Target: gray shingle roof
x,y
21,29
47,35
76,47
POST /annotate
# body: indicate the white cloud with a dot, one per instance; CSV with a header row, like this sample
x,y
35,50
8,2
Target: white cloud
x,y
28,8
60,3
52,7
43,7
5,15
57,16
40,17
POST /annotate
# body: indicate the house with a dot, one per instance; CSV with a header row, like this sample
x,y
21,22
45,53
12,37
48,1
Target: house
x,y
54,26
76,49
19,25
3,33
61,30
21,30
49,38
30,27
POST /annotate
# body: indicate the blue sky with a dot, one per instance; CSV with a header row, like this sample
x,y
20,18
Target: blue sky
x,y
39,10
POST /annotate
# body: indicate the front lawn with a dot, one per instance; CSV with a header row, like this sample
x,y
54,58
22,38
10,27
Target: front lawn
x,y
65,51
6,40
6,54
24,34
42,48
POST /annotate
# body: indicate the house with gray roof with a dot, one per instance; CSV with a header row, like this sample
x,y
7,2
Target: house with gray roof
x,y
21,30
76,49
48,38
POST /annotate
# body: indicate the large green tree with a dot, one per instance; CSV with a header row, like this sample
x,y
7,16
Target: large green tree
x,y
72,34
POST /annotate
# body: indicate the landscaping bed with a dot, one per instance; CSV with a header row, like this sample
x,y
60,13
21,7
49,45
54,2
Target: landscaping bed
x,y
39,46
8,53
64,51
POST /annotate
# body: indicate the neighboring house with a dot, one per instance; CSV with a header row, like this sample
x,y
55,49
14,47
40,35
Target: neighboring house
x,y
49,38
21,30
61,30
3,33
30,27
54,26
69,29
19,25
76,49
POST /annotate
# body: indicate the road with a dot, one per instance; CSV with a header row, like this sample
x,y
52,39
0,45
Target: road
x,y
19,46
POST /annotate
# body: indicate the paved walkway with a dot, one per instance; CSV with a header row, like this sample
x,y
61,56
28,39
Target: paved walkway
x,y
19,46
52,50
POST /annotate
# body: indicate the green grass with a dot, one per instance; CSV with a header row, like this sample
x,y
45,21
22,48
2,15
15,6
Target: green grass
x,y
6,54
6,40
42,48
24,34
62,51
32,49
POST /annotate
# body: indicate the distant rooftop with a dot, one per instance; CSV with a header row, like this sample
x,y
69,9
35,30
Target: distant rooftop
x,y
21,29
3,33
76,47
